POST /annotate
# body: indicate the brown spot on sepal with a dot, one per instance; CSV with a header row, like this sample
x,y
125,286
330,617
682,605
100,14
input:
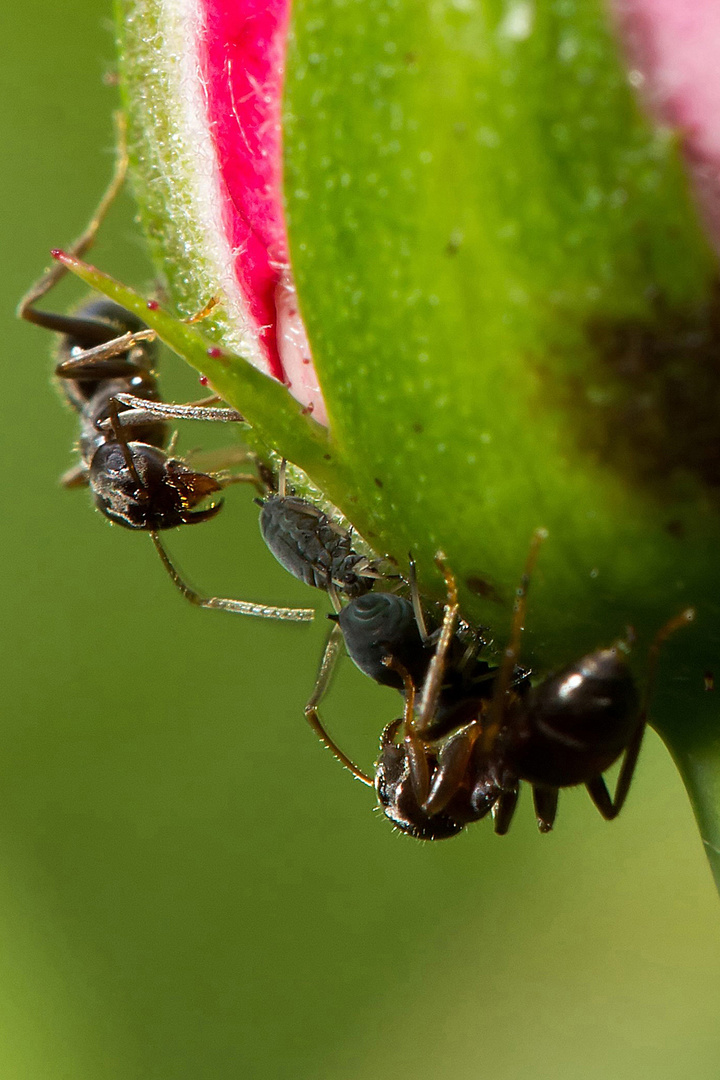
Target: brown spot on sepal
x,y
483,588
650,406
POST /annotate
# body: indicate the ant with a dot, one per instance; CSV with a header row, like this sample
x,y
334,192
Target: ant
x,y
432,779
106,370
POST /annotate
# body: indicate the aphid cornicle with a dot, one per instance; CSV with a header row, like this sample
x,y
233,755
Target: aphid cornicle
x,y
433,779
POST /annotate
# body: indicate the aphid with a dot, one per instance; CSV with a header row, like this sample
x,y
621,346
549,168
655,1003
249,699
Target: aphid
x,y
567,730
106,370
311,546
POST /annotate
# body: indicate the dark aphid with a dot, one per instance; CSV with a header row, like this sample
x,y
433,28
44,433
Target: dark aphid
x,y
107,372
311,546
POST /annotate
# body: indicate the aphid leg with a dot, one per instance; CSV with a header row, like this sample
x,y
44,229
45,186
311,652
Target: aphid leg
x,y
26,307
334,597
503,810
219,603
417,602
436,668
512,650
545,800
414,746
327,666
282,479
597,788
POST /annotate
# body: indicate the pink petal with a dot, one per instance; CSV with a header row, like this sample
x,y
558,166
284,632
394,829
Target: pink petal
x,y
242,58
674,47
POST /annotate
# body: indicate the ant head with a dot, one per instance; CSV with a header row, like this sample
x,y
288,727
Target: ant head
x,y
396,794
379,625
159,493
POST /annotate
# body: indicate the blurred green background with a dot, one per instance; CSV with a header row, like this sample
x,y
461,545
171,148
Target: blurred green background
x,y
190,886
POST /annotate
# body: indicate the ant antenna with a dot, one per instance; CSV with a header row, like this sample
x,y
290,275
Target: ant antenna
x,y
85,240
436,668
512,650
218,603
676,623
121,437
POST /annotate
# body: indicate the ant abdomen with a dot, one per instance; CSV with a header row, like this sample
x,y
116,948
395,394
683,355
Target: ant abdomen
x,y
574,725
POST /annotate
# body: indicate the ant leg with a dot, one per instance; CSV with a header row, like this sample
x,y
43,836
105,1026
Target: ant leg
x,y
414,746
512,650
436,668
546,801
26,309
504,809
451,768
108,360
168,411
327,666
597,788
219,603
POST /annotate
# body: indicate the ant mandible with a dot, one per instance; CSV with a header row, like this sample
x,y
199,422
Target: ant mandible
x,y
565,731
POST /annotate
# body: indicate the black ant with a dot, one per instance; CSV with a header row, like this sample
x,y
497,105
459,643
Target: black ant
x,y
432,779
106,370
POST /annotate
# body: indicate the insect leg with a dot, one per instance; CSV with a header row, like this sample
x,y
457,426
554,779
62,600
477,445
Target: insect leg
x,y
168,411
219,603
546,801
327,666
504,809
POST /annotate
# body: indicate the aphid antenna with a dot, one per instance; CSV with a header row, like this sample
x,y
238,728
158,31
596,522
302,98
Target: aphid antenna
x,y
512,649
219,603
